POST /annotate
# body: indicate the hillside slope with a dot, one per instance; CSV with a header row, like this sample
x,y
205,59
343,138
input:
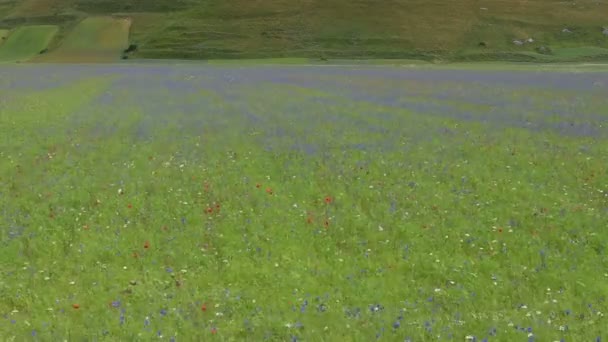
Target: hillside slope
x,y
95,39
26,42
420,29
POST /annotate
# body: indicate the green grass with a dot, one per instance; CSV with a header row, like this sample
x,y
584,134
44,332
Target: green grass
x,y
95,39
307,61
584,51
26,42
208,226
3,35
484,65
5,8
340,29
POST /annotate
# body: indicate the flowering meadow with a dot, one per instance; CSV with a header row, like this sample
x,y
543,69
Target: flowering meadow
x,y
295,203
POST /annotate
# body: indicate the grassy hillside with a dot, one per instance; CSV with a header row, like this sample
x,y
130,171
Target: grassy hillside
x,y
26,42
95,39
3,35
420,29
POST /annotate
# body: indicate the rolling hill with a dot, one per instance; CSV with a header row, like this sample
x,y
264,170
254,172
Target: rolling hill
x,y
542,30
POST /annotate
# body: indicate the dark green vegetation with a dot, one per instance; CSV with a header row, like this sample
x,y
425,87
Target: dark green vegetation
x,y
469,30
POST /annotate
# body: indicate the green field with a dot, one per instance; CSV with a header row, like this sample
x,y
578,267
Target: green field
x,y
95,39
26,42
437,30
185,204
3,35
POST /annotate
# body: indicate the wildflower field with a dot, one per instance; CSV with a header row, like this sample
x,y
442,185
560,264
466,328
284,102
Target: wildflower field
x,y
295,203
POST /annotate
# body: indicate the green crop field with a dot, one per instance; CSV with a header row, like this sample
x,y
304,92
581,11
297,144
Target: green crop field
x,y
3,35
317,170
95,39
26,42
286,203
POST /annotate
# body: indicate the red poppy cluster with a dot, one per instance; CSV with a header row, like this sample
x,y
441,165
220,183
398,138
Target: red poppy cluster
x,y
213,208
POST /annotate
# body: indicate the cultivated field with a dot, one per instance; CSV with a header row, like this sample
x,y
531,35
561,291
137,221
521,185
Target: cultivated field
x,y
3,35
95,39
26,42
338,203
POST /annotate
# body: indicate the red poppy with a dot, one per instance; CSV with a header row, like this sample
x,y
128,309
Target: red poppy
x,y
213,331
269,191
204,307
209,210
147,244
130,206
328,199
76,306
